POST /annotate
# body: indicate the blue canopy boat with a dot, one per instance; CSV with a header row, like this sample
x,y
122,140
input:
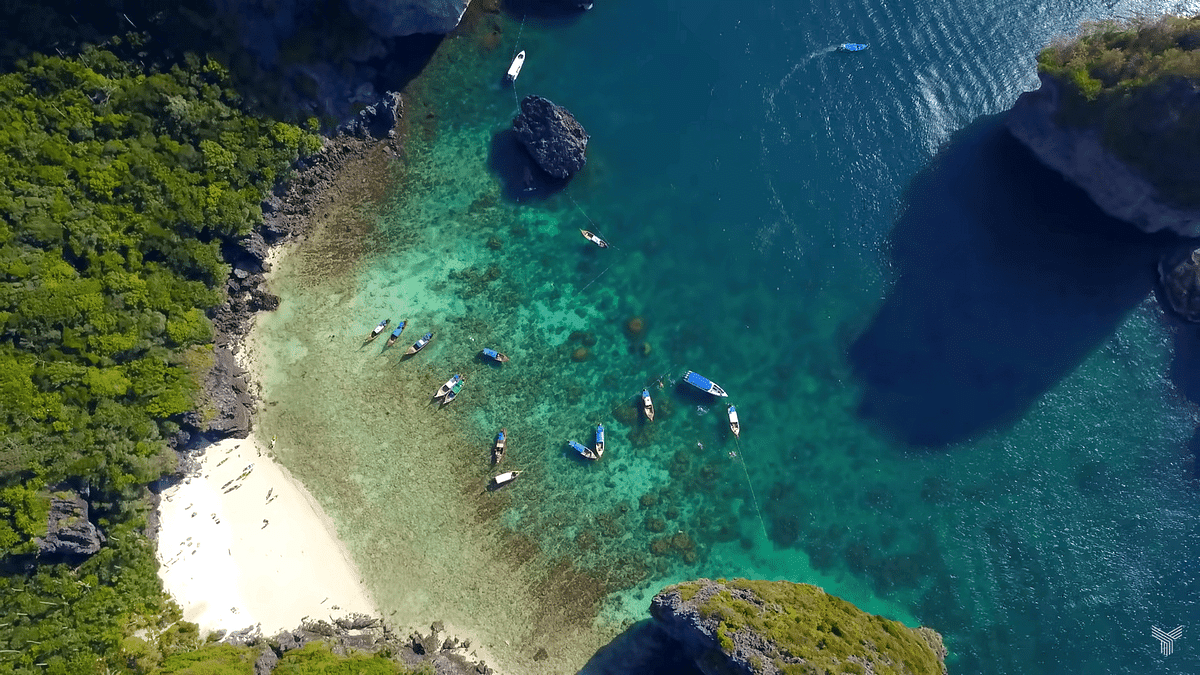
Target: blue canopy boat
x,y
450,395
419,344
734,425
599,447
396,333
445,388
851,47
703,384
494,355
647,405
498,447
586,452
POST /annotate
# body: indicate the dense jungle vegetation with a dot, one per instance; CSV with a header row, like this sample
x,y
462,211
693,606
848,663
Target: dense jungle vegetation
x,y
120,182
1136,83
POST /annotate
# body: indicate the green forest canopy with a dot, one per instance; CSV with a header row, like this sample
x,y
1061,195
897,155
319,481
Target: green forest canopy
x,y
1135,82
118,186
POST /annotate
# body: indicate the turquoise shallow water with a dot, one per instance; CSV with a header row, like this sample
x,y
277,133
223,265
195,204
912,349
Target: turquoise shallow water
x,y
950,371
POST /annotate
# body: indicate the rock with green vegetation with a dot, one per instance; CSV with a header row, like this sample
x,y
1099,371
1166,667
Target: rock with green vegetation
x,y
765,627
1118,114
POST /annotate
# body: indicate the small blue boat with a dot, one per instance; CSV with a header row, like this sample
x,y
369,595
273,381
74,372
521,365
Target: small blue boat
x,y
599,447
396,334
703,384
585,451
494,355
851,47
419,344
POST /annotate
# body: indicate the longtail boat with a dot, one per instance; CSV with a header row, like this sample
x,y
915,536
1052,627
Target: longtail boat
x,y
378,329
504,479
594,238
419,344
647,405
453,393
445,388
396,334
494,355
734,425
598,448
498,448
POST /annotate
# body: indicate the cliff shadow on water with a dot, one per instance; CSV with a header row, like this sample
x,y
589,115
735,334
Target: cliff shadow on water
x,y
641,649
521,178
1007,277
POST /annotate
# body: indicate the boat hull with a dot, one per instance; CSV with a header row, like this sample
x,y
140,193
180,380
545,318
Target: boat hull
x,y
514,68
704,384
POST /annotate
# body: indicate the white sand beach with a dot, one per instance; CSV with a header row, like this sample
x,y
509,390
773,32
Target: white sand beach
x,y
243,544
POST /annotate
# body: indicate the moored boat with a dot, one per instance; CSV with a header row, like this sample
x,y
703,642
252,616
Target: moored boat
x,y
504,479
445,388
598,448
498,447
514,69
396,334
851,47
494,355
583,450
378,329
703,384
419,344
734,425
453,393
594,238
647,405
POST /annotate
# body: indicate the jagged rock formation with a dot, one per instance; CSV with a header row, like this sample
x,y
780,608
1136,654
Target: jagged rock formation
x,y
1117,113
1079,154
766,627
392,18
70,535
552,136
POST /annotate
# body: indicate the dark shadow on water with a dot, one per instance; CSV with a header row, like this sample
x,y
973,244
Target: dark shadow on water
x,y
643,649
1007,277
522,180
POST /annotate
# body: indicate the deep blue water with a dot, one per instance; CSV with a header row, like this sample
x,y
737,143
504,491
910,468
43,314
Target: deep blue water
x,y
951,373
823,227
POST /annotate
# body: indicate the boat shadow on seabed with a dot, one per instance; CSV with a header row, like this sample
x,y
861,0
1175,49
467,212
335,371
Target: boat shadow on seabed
x,y
1007,278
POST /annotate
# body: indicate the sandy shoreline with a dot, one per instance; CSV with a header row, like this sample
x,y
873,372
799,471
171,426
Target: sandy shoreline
x,y
242,543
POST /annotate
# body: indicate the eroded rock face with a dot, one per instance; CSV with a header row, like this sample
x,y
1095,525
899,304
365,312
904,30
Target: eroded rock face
x,y
762,627
393,18
552,136
1078,154
70,534
1181,285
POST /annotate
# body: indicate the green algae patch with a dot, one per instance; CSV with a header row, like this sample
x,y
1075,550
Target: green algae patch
x,y
779,626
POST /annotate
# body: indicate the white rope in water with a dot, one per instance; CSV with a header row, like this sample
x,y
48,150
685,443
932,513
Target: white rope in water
x,y
742,460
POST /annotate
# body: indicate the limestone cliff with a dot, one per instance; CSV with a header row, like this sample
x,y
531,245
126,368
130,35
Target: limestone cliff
x,y
767,627
1117,114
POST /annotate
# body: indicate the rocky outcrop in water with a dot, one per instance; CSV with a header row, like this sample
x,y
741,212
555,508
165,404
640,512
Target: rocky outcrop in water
x,y
766,627
393,18
70,535
1180,281
552,136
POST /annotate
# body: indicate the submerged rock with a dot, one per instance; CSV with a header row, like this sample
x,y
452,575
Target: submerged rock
x,y
766,627
552,136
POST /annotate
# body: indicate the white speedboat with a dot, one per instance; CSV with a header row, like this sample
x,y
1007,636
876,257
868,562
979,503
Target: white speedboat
x,y
514,69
